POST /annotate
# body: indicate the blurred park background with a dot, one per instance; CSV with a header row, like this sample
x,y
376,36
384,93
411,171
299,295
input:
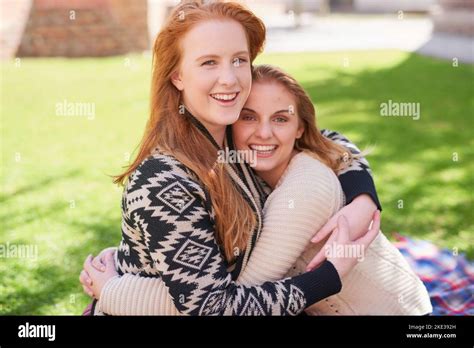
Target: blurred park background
x,y
75,81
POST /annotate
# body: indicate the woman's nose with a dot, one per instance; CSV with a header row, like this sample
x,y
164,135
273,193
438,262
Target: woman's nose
x,y
264,131
227,76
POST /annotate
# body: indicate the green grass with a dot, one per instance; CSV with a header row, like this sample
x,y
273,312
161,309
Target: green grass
x,y
57,195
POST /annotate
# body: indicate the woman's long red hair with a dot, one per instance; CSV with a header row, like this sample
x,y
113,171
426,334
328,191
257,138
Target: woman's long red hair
x,y
172,133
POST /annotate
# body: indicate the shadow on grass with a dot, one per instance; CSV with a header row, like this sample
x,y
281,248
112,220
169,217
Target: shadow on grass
x,y
61,281
38,185
426,162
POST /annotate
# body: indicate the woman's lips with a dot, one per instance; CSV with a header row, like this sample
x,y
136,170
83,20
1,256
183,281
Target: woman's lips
x,y
263,151
225,99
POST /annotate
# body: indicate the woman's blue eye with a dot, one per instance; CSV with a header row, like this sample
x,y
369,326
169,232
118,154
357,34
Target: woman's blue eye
x,y
238,61
209,62
281,119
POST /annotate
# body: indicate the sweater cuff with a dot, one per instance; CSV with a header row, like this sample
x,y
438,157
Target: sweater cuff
x,y
356,183
105,302
319,283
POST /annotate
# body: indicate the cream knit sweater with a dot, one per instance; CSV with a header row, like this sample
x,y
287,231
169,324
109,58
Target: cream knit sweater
x,y
306,196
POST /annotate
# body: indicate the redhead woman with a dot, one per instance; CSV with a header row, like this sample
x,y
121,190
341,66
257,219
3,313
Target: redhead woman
x,y
192,221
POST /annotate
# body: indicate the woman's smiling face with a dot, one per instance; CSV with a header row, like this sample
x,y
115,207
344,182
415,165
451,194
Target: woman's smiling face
x,y
268,125
214,75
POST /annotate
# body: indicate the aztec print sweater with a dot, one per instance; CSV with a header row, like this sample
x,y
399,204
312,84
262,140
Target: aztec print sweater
x,y
168,232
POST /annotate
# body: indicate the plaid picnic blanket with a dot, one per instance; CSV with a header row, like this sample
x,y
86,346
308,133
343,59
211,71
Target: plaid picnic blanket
x,y
448,276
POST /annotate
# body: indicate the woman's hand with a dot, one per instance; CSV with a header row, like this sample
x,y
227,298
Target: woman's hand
x,y
352,250
99,261
92,279
99,264
359,214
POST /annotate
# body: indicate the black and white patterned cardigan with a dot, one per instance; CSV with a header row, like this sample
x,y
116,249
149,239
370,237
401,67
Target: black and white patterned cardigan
x,y
168,232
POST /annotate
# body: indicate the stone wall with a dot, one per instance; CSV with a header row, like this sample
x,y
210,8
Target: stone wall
x,y
78,28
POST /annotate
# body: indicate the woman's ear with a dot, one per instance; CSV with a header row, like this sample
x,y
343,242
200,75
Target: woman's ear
x,y
176,80
299,133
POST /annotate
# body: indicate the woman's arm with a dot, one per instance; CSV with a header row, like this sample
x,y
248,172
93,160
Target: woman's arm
x,y
127,294
359,189
157,305
181,243
306,200
355,179
136,295
308,195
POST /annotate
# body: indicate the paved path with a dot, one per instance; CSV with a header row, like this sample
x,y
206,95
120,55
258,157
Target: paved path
x,y
338,32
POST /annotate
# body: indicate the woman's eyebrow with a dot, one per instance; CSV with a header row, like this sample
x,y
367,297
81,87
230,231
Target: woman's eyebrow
x,y
214,56
276,112
208,56
241,52
248,109
282,111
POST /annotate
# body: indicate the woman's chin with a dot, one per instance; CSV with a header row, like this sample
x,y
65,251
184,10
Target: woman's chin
x,y
227,114
226,117
261,166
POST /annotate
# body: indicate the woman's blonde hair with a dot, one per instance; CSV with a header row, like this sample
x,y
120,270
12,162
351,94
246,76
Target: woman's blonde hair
x,y
172,133
335,156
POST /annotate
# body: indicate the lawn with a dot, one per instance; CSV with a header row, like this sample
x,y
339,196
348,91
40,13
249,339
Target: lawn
x,y
57,194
